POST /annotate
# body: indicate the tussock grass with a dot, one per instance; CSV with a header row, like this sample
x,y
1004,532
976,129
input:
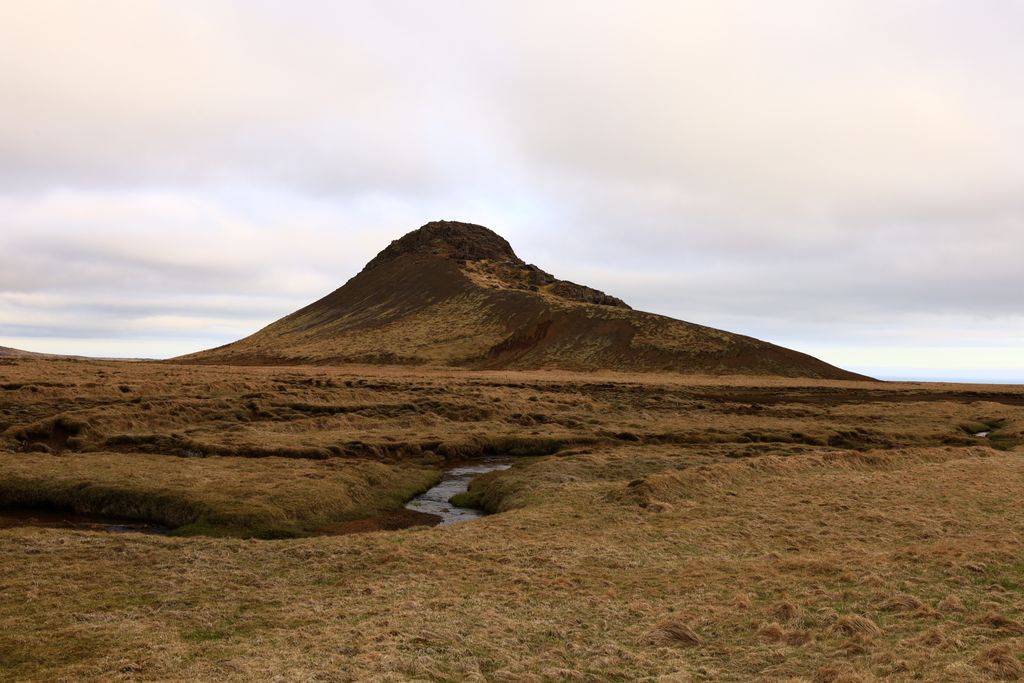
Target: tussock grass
x,y
857,625
786,611
1001,663
674,632
951,603
1004,623
903,602
52,433
775,633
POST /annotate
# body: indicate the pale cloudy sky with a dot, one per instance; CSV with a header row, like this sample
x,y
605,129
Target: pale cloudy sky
x,y
844,178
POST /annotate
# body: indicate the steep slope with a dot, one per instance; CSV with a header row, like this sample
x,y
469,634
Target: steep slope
x,y
456,294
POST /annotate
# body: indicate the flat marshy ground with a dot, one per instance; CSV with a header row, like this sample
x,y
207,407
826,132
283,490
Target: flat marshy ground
x,y
653,528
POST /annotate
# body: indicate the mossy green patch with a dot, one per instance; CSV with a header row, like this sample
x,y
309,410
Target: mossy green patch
x,y
466,499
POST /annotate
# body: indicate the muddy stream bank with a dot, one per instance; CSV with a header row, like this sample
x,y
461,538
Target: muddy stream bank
x,y
56,519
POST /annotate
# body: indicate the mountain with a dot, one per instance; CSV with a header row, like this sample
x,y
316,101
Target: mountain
x,y
456,294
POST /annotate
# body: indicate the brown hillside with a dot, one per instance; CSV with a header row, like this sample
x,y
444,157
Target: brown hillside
x,y
456,294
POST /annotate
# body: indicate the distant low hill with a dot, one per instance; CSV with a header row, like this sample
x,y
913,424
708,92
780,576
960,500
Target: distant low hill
x,y
8,352
456,294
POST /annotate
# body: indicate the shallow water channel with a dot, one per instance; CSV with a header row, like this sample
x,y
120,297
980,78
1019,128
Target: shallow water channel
x,y
456,480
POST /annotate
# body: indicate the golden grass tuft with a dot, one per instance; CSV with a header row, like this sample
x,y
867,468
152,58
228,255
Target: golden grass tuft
x,y
1003,623
933,637
902,602
857,625
1000,663
675,632
798,637
786,611
741,601
772,632
951,603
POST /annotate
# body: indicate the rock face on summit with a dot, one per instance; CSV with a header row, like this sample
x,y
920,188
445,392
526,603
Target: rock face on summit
x,y
456,294
484,252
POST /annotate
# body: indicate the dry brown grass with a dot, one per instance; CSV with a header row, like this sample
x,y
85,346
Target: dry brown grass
x,y
389,412
787,561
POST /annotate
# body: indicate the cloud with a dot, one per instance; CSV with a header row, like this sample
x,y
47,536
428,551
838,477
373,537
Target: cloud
x,y
808,172
134,93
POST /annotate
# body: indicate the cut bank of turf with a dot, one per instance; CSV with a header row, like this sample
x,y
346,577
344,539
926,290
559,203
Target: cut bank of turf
x,y
225,496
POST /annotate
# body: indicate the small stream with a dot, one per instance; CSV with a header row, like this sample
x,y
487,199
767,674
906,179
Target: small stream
x,y
456,480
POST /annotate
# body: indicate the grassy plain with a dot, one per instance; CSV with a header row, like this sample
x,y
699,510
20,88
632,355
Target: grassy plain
x,y
658,528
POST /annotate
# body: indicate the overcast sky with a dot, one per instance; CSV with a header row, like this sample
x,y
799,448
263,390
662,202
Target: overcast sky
x,y
844,178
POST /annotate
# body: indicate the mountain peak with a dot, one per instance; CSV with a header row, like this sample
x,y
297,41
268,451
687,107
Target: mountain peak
x,y
450,239
487,259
